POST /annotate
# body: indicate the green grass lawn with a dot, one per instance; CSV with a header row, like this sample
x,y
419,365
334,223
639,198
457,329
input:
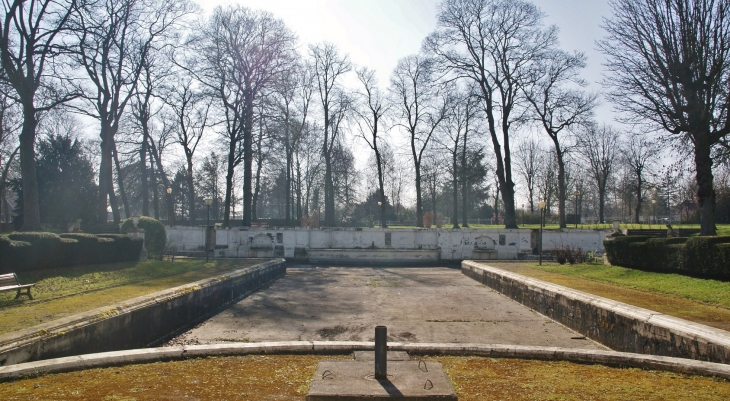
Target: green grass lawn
x,y
703,290
703,301
722,229
66,291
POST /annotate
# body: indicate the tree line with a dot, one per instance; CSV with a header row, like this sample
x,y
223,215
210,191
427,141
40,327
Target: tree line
x,y
227,106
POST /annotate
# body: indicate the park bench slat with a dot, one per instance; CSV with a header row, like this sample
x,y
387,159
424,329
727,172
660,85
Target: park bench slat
x,y
10,282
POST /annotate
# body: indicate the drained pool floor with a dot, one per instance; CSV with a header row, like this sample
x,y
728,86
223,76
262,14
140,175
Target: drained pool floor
x,y
416,304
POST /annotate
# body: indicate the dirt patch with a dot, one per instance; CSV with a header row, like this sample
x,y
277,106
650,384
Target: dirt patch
x,y
329,333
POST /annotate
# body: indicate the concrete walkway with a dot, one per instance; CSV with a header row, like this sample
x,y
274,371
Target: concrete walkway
x,y
434,305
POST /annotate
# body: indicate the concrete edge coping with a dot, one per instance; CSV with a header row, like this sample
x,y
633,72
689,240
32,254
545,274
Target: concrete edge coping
x,y
163,354
686,327
81,319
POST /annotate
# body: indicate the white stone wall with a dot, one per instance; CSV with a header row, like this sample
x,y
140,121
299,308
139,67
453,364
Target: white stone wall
x,y
454,244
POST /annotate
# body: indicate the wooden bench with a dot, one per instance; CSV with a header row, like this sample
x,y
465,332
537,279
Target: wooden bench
x,y
9,282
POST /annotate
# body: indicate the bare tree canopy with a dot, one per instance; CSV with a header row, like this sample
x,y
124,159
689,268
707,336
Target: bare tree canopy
x,y
371,112
421,104
599,146
329,66
495,44
238,55
669,65
559,104
29,45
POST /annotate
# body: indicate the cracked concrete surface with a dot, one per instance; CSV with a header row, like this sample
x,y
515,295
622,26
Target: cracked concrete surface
x,y
432,304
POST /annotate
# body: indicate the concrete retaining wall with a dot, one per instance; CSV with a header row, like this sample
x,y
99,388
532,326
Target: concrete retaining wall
x,y
137,322
620,326
151,355
449,244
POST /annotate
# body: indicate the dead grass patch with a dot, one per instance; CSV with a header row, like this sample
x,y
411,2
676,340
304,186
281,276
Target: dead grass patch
x,y
287,377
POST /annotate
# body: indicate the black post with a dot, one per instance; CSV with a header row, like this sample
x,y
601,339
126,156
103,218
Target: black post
x,y
381,353
207,236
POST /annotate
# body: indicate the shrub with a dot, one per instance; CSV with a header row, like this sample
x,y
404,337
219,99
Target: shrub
x,y
699,256
569,254
13,253
32,251
155,236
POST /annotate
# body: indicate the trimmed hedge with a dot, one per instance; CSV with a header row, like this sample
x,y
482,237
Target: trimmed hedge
x,y
155,235
697,256
32,251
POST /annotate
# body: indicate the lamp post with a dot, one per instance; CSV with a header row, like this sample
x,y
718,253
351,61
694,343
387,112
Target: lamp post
x,y
171,204
208,202
380,208
541,206
653,209
576,193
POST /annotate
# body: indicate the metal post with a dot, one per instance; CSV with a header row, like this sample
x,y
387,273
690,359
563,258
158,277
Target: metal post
x,y
207,236
381,352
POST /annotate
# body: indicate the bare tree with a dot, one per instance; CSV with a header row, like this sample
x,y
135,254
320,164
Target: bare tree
x,y
639,154
669,64
528,156
10,124
191,110
453,139
29,43
115,37
422,107
238,55
495,44
558,104
294,95
600,147
370,123
329,67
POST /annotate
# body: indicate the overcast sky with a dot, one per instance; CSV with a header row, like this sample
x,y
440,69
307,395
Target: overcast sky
x,y
377,33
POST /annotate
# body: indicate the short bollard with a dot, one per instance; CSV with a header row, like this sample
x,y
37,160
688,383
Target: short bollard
x,y
381,352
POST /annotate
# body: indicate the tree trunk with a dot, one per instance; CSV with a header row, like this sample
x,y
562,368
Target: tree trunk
x,y
705,186
31,208
602,199
381,188
561,183
247,156
191,190
144,184
299,191
464,183
639,199
120,182
329,198
105,173
229,183
456,191
419,199
155,193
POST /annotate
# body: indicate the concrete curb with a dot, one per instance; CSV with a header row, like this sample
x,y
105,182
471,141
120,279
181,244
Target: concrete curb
x,y
136,322
618,325
150,355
